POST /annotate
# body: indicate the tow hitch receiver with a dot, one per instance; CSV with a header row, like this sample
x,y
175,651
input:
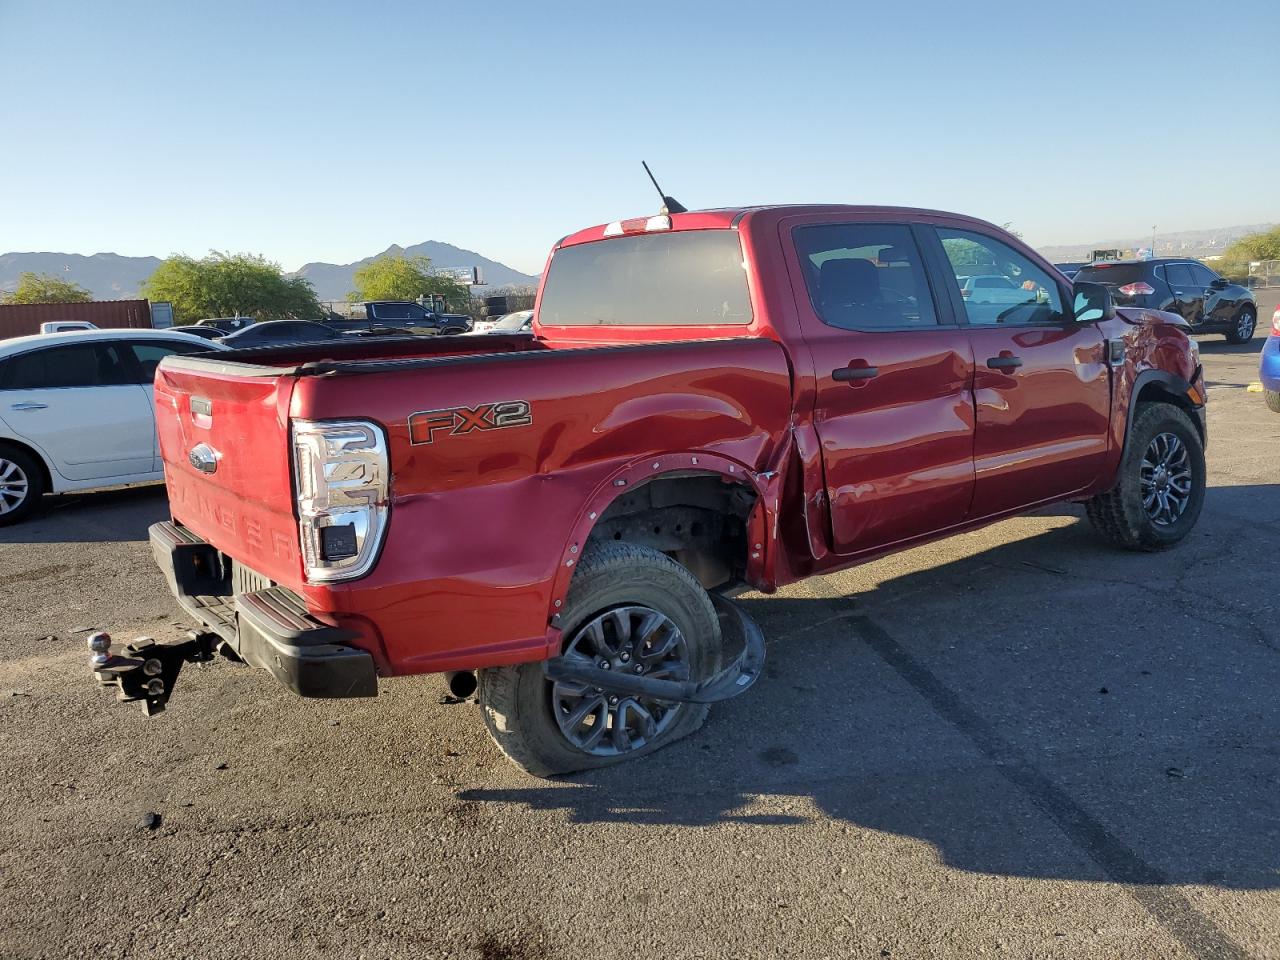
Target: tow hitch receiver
x,y
735,679
147,670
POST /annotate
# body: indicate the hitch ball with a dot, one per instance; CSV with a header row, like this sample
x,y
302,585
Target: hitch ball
x,y
99,647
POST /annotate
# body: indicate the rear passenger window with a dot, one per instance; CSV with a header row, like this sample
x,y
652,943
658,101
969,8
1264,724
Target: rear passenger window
x,y
865,276
1179,276
390,311
997,283
149,356
81,365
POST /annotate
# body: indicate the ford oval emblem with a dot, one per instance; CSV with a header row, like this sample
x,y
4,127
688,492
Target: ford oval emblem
x,y
204,458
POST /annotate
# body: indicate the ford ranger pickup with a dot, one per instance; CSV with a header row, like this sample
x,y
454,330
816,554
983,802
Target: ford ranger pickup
x,y
711,400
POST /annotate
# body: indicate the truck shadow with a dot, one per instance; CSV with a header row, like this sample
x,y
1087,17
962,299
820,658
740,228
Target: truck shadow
x,y
1046,708
99,516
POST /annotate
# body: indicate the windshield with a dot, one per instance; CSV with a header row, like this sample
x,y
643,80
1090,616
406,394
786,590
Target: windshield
x,y
690,278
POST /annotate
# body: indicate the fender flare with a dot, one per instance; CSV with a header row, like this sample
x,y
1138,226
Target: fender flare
x,y
654,467
1170,381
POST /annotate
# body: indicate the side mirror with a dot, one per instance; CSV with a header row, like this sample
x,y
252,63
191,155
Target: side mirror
x,y
1220,283
1092,302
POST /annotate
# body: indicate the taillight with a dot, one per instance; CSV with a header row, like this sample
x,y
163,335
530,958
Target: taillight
x,y
1137,288
1275,323
341,479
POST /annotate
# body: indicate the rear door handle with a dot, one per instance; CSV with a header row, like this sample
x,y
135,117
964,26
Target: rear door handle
x,y
29,406
854,373
1004,363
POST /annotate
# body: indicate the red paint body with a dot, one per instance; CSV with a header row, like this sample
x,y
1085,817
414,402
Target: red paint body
x,y
483,526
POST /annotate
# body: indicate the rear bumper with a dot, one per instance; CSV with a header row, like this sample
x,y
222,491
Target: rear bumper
x,y
267,627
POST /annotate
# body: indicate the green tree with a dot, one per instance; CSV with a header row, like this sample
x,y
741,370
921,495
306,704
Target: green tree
x,y
1256,246
397,277
46,288
224,284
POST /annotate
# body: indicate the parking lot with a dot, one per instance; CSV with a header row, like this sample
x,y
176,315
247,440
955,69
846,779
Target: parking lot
x,y
1017,742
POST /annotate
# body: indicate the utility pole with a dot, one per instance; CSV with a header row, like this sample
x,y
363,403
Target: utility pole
x,y
1153,240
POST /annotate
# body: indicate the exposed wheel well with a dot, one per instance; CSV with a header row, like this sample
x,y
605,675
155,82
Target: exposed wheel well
x,y
698,520
1156,392
34,455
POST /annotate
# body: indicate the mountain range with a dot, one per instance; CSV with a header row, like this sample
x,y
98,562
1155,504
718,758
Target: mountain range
x,y
332,280
1181,243
113,277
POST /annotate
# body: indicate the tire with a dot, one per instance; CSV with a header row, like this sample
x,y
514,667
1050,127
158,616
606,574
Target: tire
x,y
22,484
1122,514
1273,399
1243,326
451,331
520,705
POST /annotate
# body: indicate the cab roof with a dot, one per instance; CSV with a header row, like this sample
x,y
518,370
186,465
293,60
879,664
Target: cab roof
x,y
727,217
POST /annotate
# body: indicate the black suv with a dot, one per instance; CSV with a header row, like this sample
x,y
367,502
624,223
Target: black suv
x,y
1210,303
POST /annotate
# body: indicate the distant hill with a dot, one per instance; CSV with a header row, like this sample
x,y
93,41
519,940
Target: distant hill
x,y
1183,243
109,275
333,281
113,277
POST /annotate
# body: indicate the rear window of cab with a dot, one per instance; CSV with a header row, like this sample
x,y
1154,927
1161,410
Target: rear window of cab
x,y
689,278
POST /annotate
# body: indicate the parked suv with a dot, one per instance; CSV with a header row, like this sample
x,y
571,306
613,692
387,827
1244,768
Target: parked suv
x,y
1210,303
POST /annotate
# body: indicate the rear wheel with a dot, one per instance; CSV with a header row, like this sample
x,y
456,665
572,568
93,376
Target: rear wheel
x,y
21,485
1273,399
630,608
1245,323
1162,481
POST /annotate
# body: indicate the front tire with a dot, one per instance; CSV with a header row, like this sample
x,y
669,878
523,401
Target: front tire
x,y
1273,399
21,485
1162,482
635,608
1245,323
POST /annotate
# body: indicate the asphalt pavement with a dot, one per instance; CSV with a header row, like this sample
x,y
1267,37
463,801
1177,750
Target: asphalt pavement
x,y
1017,742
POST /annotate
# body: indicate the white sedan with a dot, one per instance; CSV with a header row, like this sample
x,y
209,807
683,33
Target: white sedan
x,y
76,412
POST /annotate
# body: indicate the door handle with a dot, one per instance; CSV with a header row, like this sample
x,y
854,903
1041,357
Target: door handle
x,y
1004,363
854,373
29,406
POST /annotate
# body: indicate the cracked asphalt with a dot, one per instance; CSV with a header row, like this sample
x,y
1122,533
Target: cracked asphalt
x,y
1017,742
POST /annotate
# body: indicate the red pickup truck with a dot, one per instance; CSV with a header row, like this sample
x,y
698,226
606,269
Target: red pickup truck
x,y
711,399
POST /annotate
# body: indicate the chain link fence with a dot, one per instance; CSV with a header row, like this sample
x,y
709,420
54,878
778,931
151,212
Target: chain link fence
x,y
1264,273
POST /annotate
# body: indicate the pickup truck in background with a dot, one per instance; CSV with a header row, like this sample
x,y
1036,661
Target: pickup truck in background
x,y
401,316
711,400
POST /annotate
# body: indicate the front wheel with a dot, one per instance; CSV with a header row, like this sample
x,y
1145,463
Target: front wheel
x,y
1162,482
1245,323
1273,399
629,608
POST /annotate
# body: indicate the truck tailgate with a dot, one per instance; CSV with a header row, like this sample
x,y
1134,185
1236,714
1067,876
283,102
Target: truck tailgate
x,y
224,439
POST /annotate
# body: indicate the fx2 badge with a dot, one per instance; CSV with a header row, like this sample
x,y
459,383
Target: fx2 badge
x,y
431,425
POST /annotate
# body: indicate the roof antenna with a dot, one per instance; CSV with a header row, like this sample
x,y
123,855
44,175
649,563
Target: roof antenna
x,y
669,204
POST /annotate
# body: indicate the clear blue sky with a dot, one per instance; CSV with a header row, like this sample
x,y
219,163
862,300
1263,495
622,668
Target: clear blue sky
x,y
326,131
